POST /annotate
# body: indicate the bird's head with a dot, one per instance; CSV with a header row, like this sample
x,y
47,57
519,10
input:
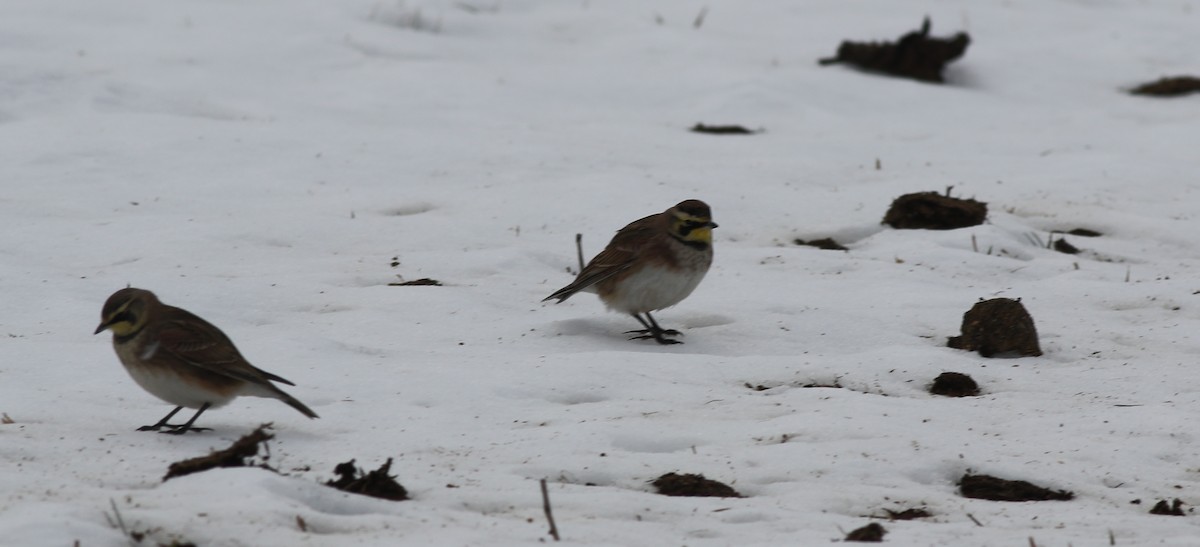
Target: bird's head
x,y
691,222
126,311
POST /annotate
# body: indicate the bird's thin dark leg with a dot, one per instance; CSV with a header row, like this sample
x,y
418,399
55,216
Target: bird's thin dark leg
x,y
181,429
163,422
652,330
668,332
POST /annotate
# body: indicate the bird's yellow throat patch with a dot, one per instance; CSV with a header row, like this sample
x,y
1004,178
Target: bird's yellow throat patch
x,y
123,322
693,229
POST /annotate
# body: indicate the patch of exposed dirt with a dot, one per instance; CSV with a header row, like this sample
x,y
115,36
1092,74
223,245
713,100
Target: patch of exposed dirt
x,y
986,487
999,325
239,454
1174,508
871,533
813,384
827,244
832,385
416,283
377,483
1062,246
1169,86
911,513
934,211
915,55
723,130
692,485
954,384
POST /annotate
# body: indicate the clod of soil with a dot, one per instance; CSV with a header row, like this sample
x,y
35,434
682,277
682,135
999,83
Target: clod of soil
x,y
417,282
827,244
1169,86
954,384
934,211
1174,509
692,485
1084,232
871,533
908,514
986,487
999,325
915,55
723,129
239,454
377,483
1062,246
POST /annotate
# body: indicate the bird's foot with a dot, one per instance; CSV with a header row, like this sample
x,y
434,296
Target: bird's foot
x,y
173,429
649,333
180,430
658,336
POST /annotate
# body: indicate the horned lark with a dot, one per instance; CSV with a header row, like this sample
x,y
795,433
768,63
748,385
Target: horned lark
x,y
651,264
182,359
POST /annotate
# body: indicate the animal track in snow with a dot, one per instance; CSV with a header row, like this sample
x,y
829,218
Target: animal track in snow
x,y
410,209
654,445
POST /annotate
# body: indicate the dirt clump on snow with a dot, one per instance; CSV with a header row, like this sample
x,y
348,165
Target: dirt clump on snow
x,y
825,244
723,130
915,55
692,485
1169,86
986,487
1174,508
954,384
871,533
377,483
424,281
1062,246
999,325
239,454
934,211
912,513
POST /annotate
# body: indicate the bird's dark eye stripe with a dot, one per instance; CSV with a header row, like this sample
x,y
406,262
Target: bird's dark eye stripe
x,y
689,225
123,317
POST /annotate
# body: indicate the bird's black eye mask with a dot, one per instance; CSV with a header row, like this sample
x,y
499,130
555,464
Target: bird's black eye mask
x,y
689,225
125,316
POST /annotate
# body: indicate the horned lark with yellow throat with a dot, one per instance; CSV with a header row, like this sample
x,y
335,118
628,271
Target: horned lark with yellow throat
x,y
651,264
182,359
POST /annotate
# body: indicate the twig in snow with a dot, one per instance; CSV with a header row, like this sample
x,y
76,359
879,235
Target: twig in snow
x,y
116,521
1128,270
1032,543
1112,540
973,519
1035,239
579,249
546,508
974,244
700,17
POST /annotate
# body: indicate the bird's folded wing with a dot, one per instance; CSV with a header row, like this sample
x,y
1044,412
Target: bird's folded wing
x,y
202,345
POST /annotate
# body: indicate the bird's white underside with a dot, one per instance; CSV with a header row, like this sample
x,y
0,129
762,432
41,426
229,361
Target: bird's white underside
x,y
168,386
172,388
654,288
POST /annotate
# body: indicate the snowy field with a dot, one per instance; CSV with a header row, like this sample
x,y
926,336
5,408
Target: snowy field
x,y
264,163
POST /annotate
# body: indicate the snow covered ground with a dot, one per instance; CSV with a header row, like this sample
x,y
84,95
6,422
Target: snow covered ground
x,y
264,163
